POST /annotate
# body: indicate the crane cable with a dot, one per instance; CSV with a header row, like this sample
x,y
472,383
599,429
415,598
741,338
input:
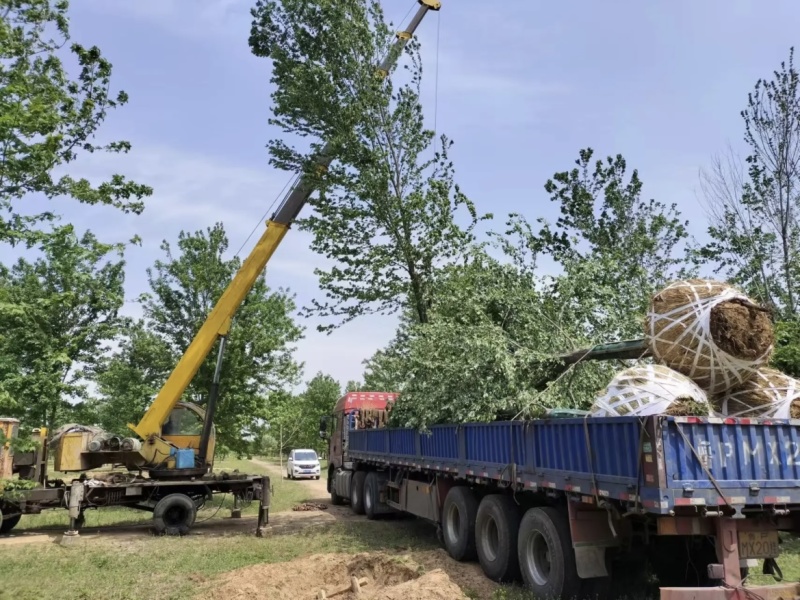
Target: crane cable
x,y
436,79
292,180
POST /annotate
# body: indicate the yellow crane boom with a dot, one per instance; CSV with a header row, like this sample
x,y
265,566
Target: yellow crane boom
x,y
218,322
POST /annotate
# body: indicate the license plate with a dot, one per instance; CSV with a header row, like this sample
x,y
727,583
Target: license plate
x,y
758,544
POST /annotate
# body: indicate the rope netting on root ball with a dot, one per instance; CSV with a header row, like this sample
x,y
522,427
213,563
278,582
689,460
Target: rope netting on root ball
x,y
651,390
769,393
710,332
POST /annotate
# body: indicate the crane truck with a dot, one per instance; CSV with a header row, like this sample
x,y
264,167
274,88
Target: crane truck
x,y
168,462
562,502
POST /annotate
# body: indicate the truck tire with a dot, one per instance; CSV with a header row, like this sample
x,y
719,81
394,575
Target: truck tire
x,y
336,499
174,514
546,557
372,496
7,523
496,531
458,523
357,492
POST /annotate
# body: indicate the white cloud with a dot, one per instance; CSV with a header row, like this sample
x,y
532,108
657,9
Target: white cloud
x,y
496,86
193,192
195,19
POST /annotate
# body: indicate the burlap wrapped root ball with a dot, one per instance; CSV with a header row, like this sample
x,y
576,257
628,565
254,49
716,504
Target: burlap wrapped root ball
x,y
769,393
651,390
710,332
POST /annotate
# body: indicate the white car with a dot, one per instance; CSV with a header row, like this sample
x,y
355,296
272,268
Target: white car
x,y
302,463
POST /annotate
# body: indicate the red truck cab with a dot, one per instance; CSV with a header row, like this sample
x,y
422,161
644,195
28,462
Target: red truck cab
x,y
345,414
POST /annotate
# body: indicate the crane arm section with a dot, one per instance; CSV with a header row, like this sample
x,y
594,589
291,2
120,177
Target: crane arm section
x,y
218,321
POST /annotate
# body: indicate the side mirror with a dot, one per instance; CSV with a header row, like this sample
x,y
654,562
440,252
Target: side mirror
x,y
323,427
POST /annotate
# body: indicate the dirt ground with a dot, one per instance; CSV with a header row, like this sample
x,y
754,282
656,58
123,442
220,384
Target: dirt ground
x,y
413,576
319,486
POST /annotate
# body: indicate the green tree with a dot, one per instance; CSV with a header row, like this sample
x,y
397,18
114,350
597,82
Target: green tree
x,y
258,357
57,316
613,247
388,208
129,379
383,371
787,348
48,117
354,386
754,205
495,326
319,399
294,419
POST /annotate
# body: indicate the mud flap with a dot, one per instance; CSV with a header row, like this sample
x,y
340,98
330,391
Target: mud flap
x,y
591,562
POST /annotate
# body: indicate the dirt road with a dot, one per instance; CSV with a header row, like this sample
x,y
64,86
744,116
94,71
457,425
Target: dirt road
x,y
318,486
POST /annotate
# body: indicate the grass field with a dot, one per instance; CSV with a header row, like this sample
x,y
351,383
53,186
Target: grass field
x,y
181,568
284,497
177,568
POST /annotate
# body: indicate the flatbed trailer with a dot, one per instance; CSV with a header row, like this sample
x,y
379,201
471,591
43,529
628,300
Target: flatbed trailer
x,y
174,503
558,502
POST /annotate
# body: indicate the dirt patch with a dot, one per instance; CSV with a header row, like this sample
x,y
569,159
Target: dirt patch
x,y
466,575
388,578
306,506
742,329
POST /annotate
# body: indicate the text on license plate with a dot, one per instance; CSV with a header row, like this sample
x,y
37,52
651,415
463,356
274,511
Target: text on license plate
x,y
758,544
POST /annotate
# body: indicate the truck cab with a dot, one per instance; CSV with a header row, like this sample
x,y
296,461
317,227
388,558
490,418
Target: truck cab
x,y
354,410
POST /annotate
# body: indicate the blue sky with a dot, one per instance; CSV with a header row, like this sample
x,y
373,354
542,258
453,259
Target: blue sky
x,y
522,86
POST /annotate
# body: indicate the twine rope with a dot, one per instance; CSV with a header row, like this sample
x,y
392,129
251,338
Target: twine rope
x,y
646,390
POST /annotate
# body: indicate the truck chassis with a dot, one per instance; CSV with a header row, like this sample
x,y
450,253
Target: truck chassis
x,y
554,501
173,502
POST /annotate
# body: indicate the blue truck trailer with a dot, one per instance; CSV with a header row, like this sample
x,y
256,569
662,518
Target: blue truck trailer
x,y
559,503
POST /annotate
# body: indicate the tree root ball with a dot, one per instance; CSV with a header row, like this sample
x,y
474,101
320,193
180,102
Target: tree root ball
x,y
710,332
769,394
651,390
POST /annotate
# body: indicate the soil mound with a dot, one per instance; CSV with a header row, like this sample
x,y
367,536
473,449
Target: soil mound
x,y
388,578
710,332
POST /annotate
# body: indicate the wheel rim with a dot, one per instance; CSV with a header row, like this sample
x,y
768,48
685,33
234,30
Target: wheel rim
x,y
355,494
537,558
175,516
490,539
453,522
368,500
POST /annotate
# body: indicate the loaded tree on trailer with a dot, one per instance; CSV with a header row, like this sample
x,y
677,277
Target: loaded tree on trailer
x,y
555,501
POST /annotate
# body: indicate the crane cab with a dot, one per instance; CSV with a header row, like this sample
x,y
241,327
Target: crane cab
x,y
87,448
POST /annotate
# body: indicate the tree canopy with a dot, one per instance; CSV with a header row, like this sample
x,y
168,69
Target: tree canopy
x,y
49,118
388,212
58,314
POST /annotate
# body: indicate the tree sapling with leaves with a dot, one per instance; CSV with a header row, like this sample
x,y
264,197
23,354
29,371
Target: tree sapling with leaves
x,y
387,211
